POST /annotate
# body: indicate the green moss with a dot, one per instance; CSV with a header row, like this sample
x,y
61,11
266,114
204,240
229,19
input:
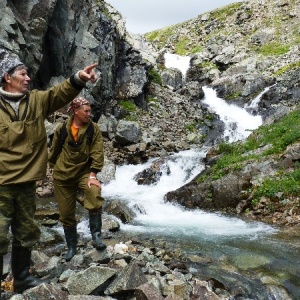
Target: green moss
x,y
155,76
151,99
286,183
274,48
196,49
181,45
234,95
161,34
190,127
222,13
294,65
132,117
127,105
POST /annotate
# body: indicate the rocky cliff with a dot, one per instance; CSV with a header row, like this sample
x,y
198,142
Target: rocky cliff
x,y
143,109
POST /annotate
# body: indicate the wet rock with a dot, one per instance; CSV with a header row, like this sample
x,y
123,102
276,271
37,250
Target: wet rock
x,y
148,291
278,293
152,174
179,288
46,266
120,210
200,291
109,223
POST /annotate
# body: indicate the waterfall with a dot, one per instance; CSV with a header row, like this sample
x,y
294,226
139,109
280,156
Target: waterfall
x,y
254,103
169,219
158,217
239,123
243,246
173,220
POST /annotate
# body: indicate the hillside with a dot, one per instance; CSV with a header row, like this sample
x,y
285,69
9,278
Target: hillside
x,y
147,111
230,45
241,49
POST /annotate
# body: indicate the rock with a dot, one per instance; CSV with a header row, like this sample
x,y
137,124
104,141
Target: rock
x,y
45,292
120,210
148,291
127,132
128,279
86,281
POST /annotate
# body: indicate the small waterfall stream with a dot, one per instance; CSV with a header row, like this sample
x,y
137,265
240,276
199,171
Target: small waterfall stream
x,y
239,123
250,248
167,219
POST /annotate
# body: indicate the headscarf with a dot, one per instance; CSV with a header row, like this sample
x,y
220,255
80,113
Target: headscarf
x,y
77,102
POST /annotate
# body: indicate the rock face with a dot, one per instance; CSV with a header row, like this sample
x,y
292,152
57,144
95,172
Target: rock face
x,y
145,110
56,38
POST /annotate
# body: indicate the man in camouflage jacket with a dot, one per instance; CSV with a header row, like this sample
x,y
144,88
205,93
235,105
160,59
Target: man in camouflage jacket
x,y
23,157
76,160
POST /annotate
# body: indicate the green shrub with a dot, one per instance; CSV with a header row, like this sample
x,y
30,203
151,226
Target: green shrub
x,y
287,183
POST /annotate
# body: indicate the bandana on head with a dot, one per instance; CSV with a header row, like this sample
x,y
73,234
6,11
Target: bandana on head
x,y
78,102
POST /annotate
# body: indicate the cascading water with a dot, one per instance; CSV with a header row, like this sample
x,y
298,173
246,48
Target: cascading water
x,y
156,216
166,218
238,122
246,245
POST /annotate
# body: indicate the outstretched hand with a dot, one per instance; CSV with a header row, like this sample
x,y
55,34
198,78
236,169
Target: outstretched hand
x,y
88,73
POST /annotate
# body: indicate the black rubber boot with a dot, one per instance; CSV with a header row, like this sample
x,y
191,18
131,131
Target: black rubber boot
x,y
95,227
71,239
1,271
20,264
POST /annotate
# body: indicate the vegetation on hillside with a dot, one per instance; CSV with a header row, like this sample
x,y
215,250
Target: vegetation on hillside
x,y
191,36
274,139
268,35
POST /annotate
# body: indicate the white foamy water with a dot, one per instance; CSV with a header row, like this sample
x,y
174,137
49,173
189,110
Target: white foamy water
x,y
254,103
167,218
156,216
238,122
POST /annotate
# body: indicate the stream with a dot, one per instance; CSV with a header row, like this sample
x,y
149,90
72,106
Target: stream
x,y
257,258
229,249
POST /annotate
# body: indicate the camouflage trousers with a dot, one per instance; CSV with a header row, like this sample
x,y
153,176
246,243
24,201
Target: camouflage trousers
x,y
66,193
17,209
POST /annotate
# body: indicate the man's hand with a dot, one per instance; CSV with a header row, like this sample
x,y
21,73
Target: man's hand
x,y
88,73
93,181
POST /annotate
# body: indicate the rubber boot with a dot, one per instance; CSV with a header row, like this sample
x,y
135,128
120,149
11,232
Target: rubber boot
x,y
20,264
71,239
95,221
1,272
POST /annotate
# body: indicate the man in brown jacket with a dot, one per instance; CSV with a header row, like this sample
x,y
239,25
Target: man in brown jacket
x,y
76,160
23,153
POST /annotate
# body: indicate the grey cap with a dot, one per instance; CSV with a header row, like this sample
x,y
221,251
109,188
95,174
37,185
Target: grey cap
x,y
7,64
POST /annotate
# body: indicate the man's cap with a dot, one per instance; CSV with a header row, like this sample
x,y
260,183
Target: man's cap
x,y
7,63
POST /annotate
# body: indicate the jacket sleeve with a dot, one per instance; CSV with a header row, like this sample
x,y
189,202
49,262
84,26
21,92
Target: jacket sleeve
x,y
96,151
55,148
57,96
